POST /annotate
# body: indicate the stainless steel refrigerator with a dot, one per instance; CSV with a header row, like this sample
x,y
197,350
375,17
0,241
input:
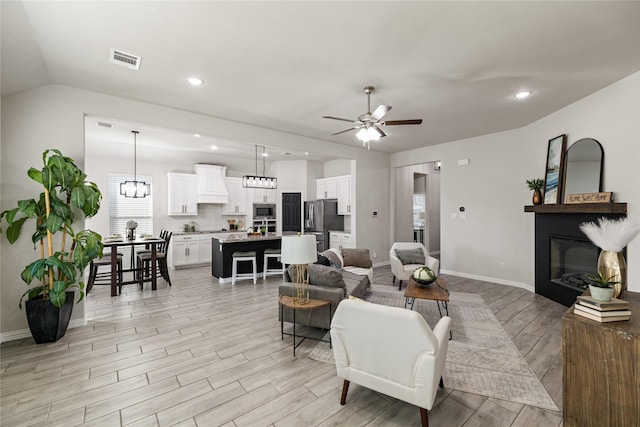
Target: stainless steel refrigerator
x,y
320,216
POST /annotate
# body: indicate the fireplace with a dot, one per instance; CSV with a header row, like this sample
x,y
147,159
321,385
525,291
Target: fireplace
x,y
569,259
563,253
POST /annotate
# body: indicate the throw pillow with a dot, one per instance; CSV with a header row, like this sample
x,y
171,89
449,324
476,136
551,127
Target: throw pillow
x,y
323,260
357,257
333,258
322,275
410,256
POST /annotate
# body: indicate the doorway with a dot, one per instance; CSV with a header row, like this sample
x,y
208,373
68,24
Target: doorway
x,y
291,212
417,205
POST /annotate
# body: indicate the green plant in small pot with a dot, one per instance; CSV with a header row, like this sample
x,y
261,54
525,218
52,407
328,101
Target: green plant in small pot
x,y
63,253
601,288
536,185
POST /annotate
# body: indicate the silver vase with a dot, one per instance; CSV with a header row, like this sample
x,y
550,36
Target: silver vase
x,y
611,266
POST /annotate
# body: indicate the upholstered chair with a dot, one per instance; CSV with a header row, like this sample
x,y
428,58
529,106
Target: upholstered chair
x,y
411,255
390,350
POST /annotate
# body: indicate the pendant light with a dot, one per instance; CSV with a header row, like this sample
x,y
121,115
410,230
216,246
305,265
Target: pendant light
x,y
260,181
135,189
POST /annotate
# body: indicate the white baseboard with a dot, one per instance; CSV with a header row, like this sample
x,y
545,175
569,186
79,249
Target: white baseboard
x,y
521,285
26,333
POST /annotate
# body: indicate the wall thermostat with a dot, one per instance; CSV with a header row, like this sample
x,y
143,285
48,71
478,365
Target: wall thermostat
x,y
374,213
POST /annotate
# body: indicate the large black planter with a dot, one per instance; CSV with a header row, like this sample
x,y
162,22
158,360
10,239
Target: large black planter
x,y
46,322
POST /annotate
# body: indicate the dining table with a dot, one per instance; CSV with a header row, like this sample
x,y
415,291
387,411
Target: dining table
x,y
147,242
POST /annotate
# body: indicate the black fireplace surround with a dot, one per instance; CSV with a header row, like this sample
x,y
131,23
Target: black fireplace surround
x,y
563,253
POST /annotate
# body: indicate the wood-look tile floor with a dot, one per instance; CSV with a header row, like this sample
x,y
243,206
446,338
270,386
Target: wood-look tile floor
x,y
205,354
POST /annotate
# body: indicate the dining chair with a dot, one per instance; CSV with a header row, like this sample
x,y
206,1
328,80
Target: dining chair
x,y
144,259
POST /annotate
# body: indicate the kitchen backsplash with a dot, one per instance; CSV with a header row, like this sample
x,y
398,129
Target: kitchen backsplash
x,y
209,218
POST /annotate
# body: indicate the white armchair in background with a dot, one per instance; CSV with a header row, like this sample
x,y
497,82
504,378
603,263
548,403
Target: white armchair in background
x,y
403,271
390,350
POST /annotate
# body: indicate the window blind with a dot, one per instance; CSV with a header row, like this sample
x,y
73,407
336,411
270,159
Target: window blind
x,y
123,209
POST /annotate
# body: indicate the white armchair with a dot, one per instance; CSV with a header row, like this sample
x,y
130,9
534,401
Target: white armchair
x,y
390,350
403,271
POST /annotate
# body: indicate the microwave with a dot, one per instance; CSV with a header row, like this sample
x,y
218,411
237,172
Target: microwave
x,y
262,210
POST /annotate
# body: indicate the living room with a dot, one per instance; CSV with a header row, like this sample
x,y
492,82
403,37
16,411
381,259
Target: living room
x,y
491,187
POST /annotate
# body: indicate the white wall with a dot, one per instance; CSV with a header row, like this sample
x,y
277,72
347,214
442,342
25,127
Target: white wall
x,y
493,191
53,117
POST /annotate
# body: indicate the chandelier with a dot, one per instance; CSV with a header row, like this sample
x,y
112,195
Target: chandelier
x,y
260,181
135,189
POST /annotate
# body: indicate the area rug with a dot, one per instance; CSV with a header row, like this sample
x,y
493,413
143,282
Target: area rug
x,y
481,358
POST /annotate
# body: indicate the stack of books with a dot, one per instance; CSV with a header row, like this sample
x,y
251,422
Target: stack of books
x,y
601,311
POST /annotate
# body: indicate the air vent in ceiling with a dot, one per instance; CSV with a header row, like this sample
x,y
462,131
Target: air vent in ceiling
x,y
128,60
104,125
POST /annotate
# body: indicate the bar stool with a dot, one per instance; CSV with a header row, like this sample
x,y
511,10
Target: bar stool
x,y
243,256
271,253
103,278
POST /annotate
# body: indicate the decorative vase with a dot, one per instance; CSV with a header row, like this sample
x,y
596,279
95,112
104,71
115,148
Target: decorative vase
x,y
601,294
611,266
537,197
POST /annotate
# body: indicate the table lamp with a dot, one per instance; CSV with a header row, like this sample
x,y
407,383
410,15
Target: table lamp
x,y
299,251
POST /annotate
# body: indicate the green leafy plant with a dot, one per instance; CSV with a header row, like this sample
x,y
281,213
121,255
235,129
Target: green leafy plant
x,y
599,280
424,274
65,194
535,184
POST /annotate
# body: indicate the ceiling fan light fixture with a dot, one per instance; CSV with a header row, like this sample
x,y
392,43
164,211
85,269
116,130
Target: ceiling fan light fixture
x,y
362,134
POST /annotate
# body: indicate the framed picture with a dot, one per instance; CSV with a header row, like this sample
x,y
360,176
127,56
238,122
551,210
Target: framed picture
x,y
555,170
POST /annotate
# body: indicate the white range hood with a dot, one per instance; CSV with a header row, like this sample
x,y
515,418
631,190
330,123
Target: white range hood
x,y
211,184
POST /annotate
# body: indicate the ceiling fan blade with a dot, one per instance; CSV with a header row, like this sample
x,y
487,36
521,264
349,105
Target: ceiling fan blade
x,y
403,122
380,112
343,131
380,131
338,118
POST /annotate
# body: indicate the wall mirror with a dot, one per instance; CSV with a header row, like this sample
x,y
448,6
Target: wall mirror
x,y
584,167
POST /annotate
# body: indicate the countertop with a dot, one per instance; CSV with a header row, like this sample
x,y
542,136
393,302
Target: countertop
x,y
234,238
186,233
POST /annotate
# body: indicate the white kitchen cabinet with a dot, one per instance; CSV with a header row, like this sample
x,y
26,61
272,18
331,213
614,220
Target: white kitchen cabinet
x,y
262,195
237,198
326,188
189,250
340,240
343,184
205,248
182,194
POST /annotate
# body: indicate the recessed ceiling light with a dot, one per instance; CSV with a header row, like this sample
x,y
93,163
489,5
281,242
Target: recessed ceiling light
x,y
306,153
523,94
195,81
197,135
213,147
265,154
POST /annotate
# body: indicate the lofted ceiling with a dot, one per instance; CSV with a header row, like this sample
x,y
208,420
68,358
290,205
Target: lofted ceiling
x,y
284,65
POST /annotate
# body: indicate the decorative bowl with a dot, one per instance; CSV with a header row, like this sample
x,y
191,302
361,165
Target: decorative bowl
x,y
424,276
423,283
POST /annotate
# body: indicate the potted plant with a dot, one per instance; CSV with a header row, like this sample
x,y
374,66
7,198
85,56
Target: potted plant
x,y
59,271
536,185
601,287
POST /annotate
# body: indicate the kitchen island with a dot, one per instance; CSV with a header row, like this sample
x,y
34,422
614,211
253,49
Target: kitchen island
x,y
224,245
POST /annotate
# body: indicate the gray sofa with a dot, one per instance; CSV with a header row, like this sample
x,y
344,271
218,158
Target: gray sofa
x,y
330,284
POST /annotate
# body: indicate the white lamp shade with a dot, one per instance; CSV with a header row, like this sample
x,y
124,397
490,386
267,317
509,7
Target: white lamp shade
x,y
299,249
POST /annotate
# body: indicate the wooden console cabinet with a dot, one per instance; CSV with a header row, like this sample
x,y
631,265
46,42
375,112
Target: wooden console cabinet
x,y
601,369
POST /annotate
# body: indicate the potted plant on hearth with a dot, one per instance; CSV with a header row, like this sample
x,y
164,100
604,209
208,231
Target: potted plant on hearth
x,y
536,185
601,287
63,253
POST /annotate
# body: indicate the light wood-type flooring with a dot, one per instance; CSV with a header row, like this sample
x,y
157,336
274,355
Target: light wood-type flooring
x,y
205,354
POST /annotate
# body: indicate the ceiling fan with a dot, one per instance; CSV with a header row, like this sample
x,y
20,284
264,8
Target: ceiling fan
x,y
370,123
